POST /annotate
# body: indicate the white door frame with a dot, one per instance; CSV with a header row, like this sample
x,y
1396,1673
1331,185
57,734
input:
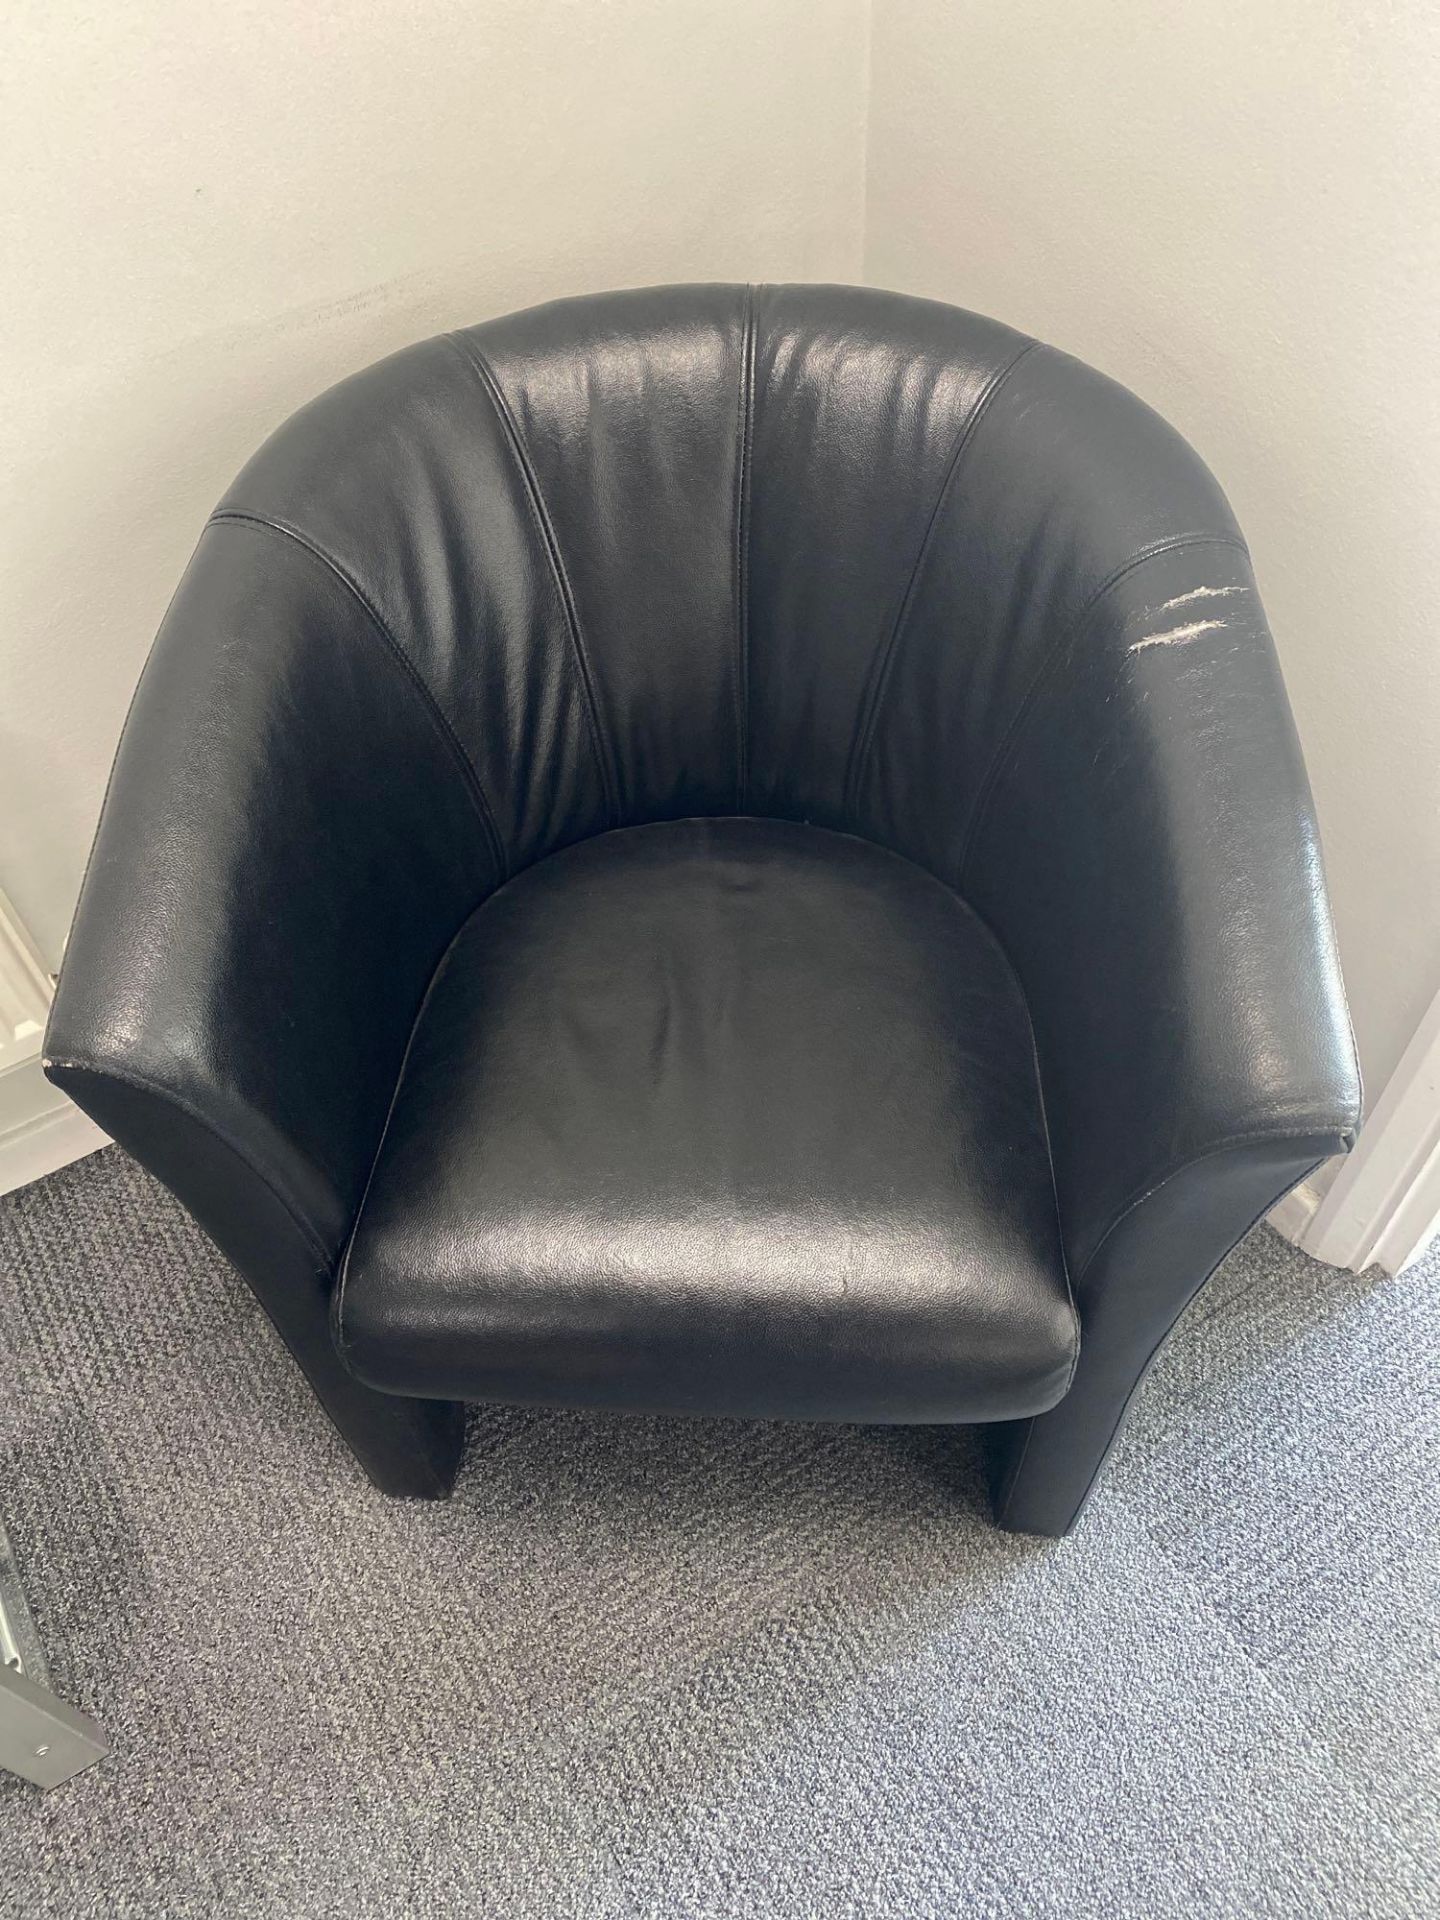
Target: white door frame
x,y
1383,1206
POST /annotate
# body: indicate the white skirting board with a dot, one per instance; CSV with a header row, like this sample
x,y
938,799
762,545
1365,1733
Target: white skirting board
x,y
47,1131
40,1129
1292,1216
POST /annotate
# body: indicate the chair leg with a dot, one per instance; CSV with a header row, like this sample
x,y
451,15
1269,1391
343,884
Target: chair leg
x,y
1044,1469
409,1449
1129,1295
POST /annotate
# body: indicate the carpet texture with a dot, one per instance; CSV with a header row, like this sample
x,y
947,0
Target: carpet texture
x,y
648,1667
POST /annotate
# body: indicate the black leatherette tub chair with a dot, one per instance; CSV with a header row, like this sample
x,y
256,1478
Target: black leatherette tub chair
x,y
717,850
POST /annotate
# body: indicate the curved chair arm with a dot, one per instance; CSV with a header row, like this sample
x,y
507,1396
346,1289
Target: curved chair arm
x,y
1146,848
286,848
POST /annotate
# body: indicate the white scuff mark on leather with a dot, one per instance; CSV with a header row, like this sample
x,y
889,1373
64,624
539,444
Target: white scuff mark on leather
x,y
1177,636
1199,593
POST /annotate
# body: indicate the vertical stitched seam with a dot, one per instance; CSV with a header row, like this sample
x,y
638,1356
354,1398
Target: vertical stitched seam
x,y
1005,747
236,516
540,514
878,680
741,663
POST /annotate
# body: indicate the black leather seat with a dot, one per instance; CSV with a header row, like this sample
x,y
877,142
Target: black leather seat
x,y
717,849
721,1116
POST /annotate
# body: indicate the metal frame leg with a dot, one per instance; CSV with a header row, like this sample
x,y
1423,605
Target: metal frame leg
x,y
41,1738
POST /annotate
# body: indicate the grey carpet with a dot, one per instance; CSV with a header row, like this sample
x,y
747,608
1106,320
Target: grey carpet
x,y
645,1667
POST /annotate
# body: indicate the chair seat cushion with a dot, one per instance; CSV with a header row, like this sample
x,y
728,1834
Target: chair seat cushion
x,y
717,1116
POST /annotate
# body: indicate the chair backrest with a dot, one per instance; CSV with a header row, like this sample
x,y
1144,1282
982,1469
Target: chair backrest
x,y
780,550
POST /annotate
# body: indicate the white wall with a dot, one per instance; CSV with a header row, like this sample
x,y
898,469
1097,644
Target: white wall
x,y
1234,207
207,213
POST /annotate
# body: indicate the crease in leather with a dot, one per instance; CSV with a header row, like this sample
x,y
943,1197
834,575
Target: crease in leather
x,y
878,677
1009,738
744,437
238,517
535,500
